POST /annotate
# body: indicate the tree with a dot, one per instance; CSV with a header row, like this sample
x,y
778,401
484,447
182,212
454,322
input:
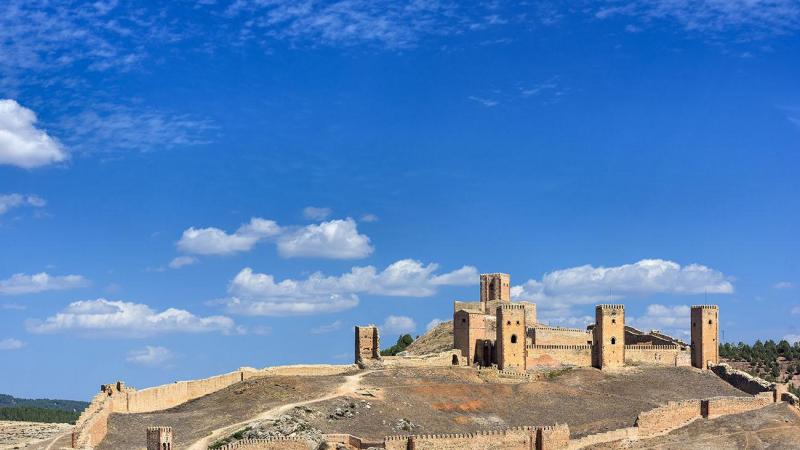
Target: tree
x,y
402,342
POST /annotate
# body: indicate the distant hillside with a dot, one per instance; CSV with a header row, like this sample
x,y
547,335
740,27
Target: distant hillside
x,y
8,401
772,361
439,339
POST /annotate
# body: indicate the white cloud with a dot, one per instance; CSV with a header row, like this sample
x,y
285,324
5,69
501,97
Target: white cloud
x,y
11,344
213,241
182,261
327,328
784,285
750,18
668,319
20,283
151,356
792,338
259,294
10,201
487,102
433,324
369,218
314,213
126,319
398,325
558,291
21,143
336,239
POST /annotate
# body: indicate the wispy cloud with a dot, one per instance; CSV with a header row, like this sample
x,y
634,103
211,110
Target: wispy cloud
x,y
784,285
487,102
11,201
151,356
398,325
327,328
316,213
21,283
11,344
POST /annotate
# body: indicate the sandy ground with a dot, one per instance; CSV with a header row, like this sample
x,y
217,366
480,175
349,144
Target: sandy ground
x,y
30,435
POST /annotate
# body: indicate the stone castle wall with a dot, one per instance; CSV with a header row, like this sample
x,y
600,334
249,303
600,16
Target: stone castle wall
x,y
741,380
92,425
723,406
669,355
668,417
556,355
268,444
559,336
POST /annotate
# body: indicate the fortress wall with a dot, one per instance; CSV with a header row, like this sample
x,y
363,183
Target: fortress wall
x,y
468,306
722,406
664,355
156,398
287,443
437,360
741,380
199,388
668,417
304,370
630,433
555,355
518,438
559,336
92,425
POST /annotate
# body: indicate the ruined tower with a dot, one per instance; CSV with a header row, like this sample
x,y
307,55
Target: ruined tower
x,y
159,438
367,344
705,335
608,347
510,343
495,290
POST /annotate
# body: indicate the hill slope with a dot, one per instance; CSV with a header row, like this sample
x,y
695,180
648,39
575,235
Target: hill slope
x,y
8,401
439,339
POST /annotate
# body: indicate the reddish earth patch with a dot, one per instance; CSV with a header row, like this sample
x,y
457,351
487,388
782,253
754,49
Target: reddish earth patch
x,y
467,406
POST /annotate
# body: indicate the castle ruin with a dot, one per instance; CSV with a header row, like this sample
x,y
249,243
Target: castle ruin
x,y
495,331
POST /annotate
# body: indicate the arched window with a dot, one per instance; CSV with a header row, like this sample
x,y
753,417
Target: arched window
x,y
613,320
513,338
709,321
455,360
613,340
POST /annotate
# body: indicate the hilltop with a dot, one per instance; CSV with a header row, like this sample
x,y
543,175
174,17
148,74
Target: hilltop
x,y
437,340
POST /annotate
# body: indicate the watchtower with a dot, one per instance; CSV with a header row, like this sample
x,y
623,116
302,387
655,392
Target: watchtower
x,y
705,335
495,290
159,438
367,344
608,349
510,343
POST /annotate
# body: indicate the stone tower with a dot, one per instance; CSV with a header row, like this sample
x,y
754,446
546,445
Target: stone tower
x,y
159,438
510,343
608,349
495,290
368,344
705,335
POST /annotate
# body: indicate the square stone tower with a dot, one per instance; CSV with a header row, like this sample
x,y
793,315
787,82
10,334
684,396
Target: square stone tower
x,y
159,438
608,347
368,344
495,290
705,335
510,343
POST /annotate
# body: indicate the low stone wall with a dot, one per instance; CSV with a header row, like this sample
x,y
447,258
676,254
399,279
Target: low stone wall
x,y
663,355
722,406
741,380
668,417
519,438
269,444
92,425
435,360
620,434
556,355
304,370
541,335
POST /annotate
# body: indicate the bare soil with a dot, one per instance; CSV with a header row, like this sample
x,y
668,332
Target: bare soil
x,y
29,435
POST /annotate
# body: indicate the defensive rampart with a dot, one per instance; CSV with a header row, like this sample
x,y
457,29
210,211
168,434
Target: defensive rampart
x,y
555,355
668,417
669,355
723,406
742,380
92,425
446,358
541,335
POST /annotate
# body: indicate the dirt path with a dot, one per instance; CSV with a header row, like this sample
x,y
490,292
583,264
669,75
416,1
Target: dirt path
x,y
350,385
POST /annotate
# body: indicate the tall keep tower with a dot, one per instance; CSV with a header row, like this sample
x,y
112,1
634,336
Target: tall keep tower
x,y
609,337
705,335
510,343
495,290
159,438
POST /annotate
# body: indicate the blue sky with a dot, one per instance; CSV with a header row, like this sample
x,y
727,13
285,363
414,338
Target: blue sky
x,y
190,188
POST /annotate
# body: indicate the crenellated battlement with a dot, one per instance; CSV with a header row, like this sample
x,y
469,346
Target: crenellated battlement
x,y
505,306
705,306
610,306
652,347
549,328
560,347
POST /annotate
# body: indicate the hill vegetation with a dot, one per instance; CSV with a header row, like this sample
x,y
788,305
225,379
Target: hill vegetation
x,y
402,342
7,401
777,362
43,410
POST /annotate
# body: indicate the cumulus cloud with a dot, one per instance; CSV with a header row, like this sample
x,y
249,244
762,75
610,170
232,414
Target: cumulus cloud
x,y
21,143
671,319
11,344
398,325
315,213
213,241
327,328
151,356
11,201
784,285
336,239
558,291
127,319
259,294
20,283
182,261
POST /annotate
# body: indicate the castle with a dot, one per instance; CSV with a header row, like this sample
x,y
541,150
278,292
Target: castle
x,y
498,332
